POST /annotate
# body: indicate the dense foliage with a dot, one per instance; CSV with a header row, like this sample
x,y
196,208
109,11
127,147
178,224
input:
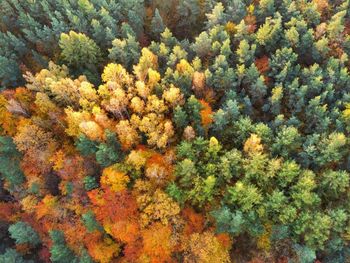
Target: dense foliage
x,y
175,131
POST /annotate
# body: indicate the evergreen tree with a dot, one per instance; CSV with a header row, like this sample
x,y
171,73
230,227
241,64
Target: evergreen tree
x,y
10,74
90,222
60,253
157,25
125,51
11,255
23,233
10,162
81,53
217,16
90,183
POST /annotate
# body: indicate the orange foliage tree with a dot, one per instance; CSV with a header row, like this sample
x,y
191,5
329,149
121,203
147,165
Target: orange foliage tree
x,y
157,246
206,114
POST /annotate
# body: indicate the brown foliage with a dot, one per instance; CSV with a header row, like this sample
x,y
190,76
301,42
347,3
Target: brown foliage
x,y
8,210
262,64
194,221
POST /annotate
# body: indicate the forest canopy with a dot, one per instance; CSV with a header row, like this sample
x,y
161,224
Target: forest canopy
x,y
175,131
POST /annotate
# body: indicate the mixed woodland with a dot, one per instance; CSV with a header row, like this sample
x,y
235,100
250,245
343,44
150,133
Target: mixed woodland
x,y
196,131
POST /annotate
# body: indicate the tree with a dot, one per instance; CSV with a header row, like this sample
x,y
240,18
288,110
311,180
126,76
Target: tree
x,y
202,45
31,137
269,33
115,206
245,196
216,17
173,96
245,52
228,222
286,142
334,183
148,60
305,254
109,152
23,233
315,228
266,8
168,39
180,117
86,146
157,25
231,165
127,134
92,130
81,53
85,257
114,179
10,74
60,253
220,75
206,114
11,255
290,171
283,65
125,51
90,183
157,245
253,145
190,16
156,206
236,10
115,73
276,100
331,148
90,222
10,162
336,25
205,247
101,248
194,108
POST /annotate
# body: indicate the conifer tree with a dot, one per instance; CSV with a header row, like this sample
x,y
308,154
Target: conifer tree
x,y
23,233
10,162
81,53
157,25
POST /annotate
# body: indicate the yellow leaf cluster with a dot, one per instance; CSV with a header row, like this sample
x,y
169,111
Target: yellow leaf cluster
x,y
105,250
184,68
116,73
29,203
32,137
137,158
92,130
7,119
74,118
147,60
58,160
157,206
127,134
173,96
206,248
114,179
230,28
264,242
253,145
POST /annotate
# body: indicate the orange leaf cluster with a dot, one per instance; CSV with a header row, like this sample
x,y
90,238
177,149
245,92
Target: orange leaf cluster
x,y
157,245
110,206
206,114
